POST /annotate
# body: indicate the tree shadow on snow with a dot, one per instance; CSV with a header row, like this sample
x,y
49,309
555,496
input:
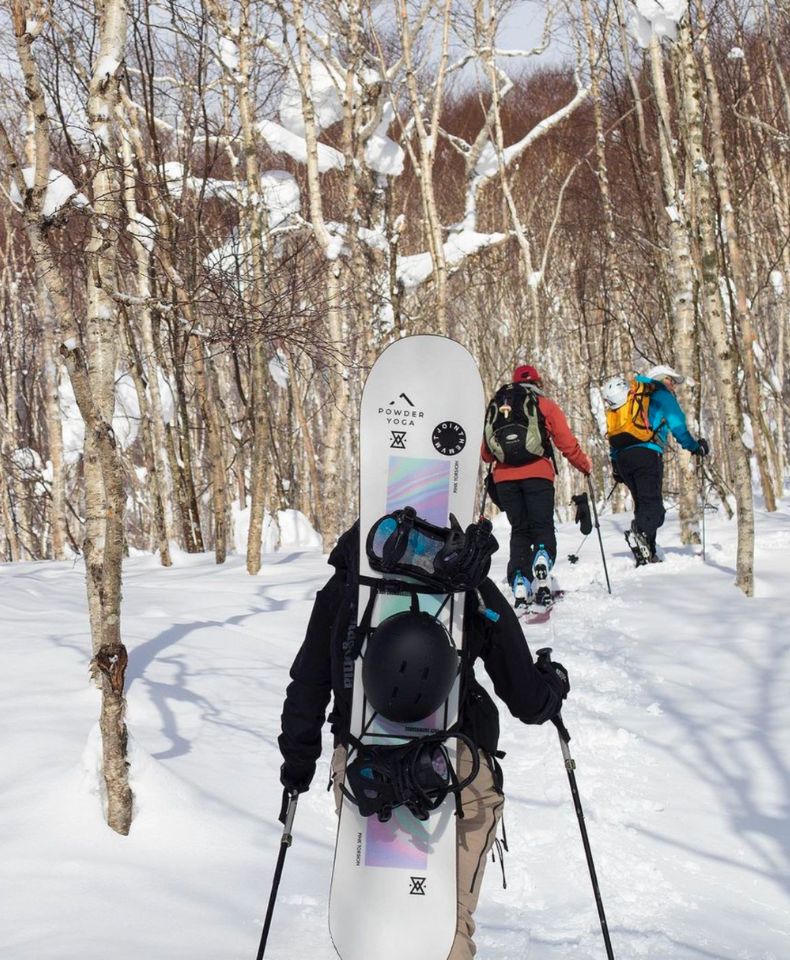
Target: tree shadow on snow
x,y
738,755
166,695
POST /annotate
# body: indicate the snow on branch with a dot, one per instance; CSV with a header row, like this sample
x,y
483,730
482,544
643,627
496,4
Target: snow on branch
x,y
414,269
60,193
659,18
281,140
488,166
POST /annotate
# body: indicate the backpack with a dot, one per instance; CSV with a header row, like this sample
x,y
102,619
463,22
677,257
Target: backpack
x,y
515,428
630,423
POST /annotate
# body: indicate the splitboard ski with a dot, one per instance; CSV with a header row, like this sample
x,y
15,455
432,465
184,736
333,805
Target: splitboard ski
x,y
638,546
538,612
393,892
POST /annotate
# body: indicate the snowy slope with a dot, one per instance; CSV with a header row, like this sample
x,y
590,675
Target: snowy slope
x,y
679,715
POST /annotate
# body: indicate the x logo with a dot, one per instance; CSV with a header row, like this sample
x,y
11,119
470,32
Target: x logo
x,y
398,440
417,886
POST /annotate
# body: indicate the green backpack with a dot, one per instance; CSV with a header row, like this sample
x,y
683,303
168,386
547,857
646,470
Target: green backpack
x,y
515,428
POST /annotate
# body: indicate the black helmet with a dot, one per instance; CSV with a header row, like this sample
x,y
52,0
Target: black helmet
x,y
409,667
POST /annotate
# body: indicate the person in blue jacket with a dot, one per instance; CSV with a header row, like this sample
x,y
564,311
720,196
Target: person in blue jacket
x,y
640,465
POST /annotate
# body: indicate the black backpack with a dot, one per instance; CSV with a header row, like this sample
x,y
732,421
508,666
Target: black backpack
x,y
515,428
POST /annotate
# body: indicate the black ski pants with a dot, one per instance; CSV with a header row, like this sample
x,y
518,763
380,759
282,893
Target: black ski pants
x,y
642,471
529,505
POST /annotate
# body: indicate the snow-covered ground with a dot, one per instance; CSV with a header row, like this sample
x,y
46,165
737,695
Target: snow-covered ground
x,y
679,712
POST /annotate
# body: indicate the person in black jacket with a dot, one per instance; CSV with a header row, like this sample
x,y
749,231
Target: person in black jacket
x,y
324,668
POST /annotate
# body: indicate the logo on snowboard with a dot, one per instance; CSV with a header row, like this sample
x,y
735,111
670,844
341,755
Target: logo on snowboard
x,y
449,438
417,886
398,440
401,396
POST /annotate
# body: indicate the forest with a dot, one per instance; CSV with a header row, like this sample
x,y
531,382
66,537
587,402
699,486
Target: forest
x,y
214,216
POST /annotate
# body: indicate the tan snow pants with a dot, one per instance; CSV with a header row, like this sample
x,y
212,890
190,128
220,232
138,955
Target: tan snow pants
x,y
476,831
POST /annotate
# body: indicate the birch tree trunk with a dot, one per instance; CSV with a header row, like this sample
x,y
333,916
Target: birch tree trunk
x,y
93,379
150,399
737,273
683,319
57,504
334,469
725,350
427,139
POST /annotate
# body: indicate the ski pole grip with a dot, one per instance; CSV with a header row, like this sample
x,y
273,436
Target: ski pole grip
x,y
561,728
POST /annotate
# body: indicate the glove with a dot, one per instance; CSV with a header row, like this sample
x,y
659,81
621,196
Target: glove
x,y
583,517
556,676
703,448
296,779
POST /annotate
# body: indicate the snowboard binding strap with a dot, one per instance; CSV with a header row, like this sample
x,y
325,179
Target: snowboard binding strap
x,y
418,775
449,559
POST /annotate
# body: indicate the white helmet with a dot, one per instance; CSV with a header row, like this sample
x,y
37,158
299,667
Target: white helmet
x,y
615,392
663,372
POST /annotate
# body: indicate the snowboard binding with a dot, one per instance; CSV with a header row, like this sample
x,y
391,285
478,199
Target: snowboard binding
x,y
447,558
417,775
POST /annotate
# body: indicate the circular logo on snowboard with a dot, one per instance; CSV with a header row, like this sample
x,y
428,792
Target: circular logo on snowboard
x,y
449,438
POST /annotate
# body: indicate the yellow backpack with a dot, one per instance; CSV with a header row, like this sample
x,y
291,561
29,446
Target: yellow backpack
x,y
629,423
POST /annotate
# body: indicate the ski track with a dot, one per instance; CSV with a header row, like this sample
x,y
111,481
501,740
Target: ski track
x,y
679,719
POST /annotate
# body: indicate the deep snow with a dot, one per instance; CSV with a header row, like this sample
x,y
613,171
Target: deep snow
x,y
679,714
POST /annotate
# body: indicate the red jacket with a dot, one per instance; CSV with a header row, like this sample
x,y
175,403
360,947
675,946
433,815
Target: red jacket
x,y
561,437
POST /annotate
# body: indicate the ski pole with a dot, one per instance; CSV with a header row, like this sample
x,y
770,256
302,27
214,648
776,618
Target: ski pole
x,y
598,528
703,499
570,766
287,814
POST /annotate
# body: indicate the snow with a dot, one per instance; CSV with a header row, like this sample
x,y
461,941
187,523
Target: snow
x,y
60,192
229,54
736,53
658,18
278,369
677,710
230,257
27,460
325,95
106,66
414,269
143,229
282,140
287,530
280,195
126,416
382,154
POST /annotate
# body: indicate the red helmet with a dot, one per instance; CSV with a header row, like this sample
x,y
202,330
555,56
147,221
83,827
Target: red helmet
x,y
526,374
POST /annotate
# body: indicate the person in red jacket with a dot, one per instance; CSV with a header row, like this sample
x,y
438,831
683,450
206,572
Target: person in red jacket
x,y
526,494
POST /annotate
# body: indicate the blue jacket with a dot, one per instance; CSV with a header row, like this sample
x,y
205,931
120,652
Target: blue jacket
x,y
664,415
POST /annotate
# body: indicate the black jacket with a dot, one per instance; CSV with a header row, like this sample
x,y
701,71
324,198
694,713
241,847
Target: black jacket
x,y
322,668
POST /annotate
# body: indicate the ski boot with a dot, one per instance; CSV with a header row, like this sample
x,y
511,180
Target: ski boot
x,y
541,565
639,545
522,594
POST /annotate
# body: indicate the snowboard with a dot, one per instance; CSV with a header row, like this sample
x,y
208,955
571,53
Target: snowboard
x,y
393,891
